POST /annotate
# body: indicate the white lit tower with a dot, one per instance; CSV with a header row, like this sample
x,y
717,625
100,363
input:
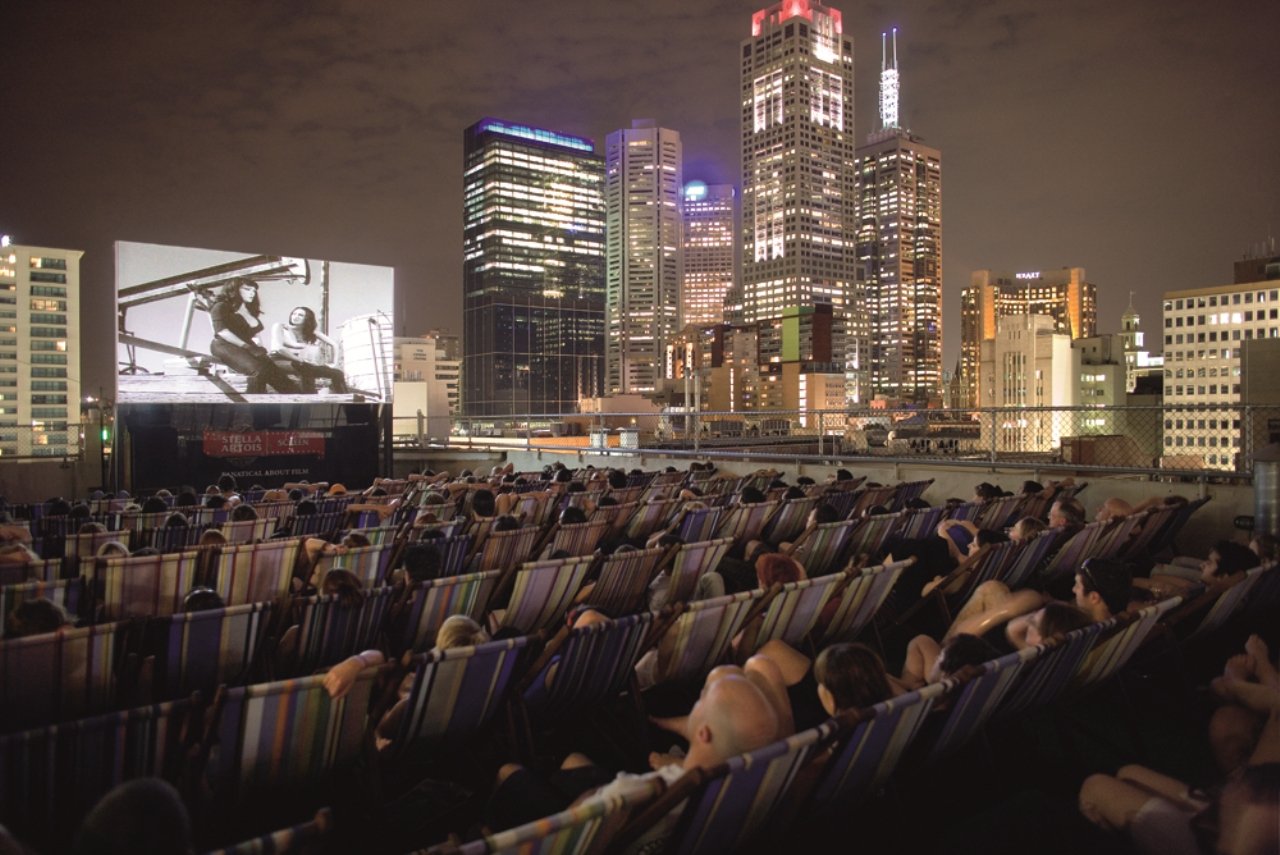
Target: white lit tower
x,y
709,248
798,170
643,183
899,185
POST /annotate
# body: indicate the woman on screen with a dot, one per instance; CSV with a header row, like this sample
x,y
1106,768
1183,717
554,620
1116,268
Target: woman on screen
x,y
235,313
301,347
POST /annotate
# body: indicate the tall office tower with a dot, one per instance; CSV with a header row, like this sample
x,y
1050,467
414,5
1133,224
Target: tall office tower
x,y
709,243
899,184
1063,294
39,351
798,217
533,270
643,254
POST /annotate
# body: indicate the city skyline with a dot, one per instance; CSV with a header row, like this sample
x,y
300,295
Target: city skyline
x,y
1134,141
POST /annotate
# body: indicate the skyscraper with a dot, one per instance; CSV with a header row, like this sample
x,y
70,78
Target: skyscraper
x,y
899,182
643,254
709,248
533,270
1063,294
798,169
39,351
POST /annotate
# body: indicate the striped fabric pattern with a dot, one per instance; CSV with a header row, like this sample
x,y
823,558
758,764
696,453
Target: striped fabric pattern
x,y
978,697
1048,676
792,613
744,523
368,563
822,551
144,585
68,593
920,522
623,583
699,524
1116,646
543,592
790,519
1226,607
57,676
860,599
692,560
1028,558
595,665
702,634
430,603
650,517
319,525
870,534
87,544
504,550
255,573
203,650
578,538
248,531
330,631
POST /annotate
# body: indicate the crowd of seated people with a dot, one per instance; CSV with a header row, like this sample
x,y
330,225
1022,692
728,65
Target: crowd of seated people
x,y
400,540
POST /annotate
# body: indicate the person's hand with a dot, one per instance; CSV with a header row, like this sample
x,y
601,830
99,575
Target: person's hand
x,y
1238,667
658,760
1257,648
341,677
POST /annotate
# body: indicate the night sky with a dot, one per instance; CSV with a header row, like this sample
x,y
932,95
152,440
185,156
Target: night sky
x,y
1137,139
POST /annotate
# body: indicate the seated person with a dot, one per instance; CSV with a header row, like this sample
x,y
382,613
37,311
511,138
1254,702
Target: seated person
x,y
1250,689
299,347
928,662
35,617
1227,564
935,556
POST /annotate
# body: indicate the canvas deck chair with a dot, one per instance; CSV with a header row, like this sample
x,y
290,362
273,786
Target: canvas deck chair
x,y
1071,554
870,744
536,509
505,550
306,838
587,828
478,530
691,562
1142,539
999,514
282,742
860,599
68,593
136,521
255,573
618,516
958,585
248,531
204,650
274,510
593,665
324,525
1116,538
869,497
577,538
870,534
53,775
699,638
541,593
58,676
823,551
330,630
379,535
790,614
627,495
203,516
1116,645
368,563
699,524
1048,676
1027,559
456,692
965,511
739,802
1167,538
920,522
143,585
44,570
744,523
426,605
976,699
170,538
77,545
789,520
447,526
622,585
659,492
909,491
650,517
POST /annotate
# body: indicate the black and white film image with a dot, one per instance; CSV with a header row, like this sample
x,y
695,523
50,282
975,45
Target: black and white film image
x,y
206,326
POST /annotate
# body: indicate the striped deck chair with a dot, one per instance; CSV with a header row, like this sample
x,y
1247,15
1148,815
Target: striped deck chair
x,y
623,582
691,562
860,598
143,585
791,613
447,526
248,531
842,500
427,604
659,492
618,516
536,509
700,637
920,522
330,631
456,692
627,495
453,553
1117,537
506,550
977,698
204,650
336,504
650,517
699,524
1071,554
1166,538
77,545
823,550
274,510
869,745
999,514
870,534
789,521
666,478
869,497
1153,523
745,523
478,529
68,593
577,538
302,839
1033,553
44,570
206,516
171,538
255,573
582,829
1035,505
58,676
595,665
541,593
52,776
909,491
736,803
1047,677
318,525
379,535
284,740
965,511
369,563
1265,596
1117,645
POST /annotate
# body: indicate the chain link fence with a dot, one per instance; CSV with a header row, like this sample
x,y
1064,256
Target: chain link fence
x,y
55,441
1215,440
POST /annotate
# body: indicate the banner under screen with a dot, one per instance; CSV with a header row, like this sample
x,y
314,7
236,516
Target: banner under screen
x,y
206,326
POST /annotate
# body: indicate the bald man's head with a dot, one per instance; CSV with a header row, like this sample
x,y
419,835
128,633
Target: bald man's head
x,y
732,717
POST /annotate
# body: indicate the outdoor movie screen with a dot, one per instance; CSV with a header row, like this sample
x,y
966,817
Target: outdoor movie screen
x,y
205,326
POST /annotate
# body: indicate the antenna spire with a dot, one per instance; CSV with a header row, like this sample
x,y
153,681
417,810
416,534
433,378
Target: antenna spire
x,y
889,83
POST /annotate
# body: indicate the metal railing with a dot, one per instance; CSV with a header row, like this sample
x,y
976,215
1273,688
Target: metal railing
x,y
1202,441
